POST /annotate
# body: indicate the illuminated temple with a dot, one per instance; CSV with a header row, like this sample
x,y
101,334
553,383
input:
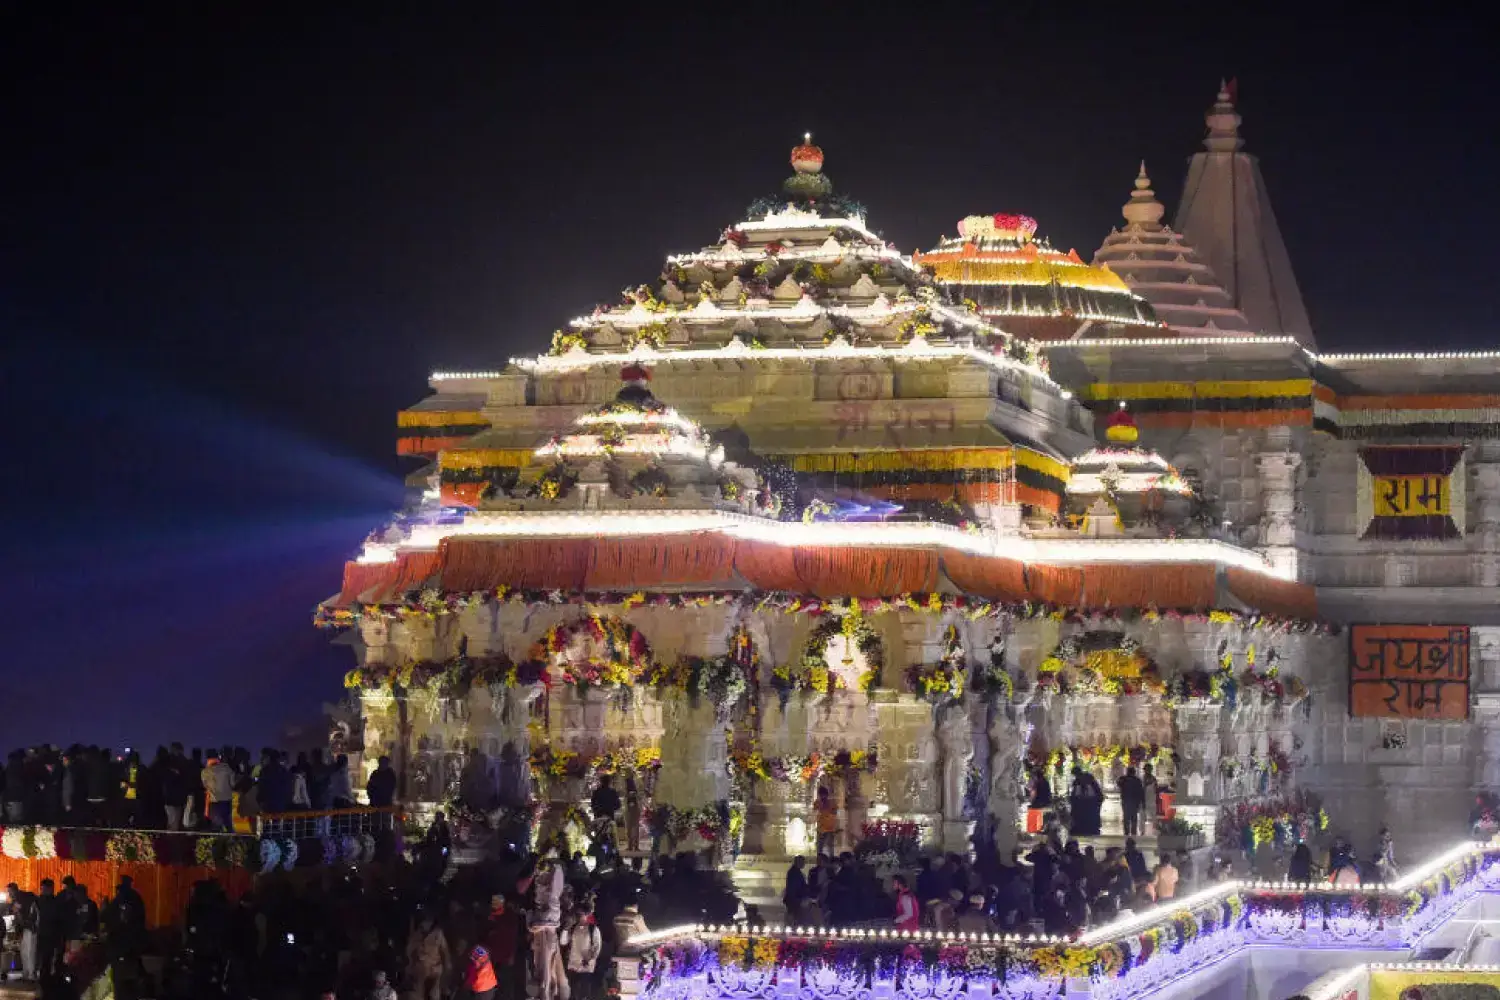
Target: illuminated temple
x,y
803,511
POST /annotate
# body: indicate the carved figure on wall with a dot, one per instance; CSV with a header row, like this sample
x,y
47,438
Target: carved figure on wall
x,y
515,777
958,752
477,789
422,779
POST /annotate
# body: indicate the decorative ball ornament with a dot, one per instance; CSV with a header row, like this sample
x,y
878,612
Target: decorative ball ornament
x,y
1020,227
807,158
1120,427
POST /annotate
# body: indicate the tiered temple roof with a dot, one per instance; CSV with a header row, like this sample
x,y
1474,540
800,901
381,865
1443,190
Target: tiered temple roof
x,y
1009,275
1162,266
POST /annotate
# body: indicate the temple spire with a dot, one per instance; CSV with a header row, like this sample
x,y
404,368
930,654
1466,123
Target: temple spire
x,y
1223,123
1143,211
1226,214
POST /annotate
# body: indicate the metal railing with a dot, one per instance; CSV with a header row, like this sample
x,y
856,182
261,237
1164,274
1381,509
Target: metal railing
x,y
350,822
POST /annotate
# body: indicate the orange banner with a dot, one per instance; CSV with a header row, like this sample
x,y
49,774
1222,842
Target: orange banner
x,y
1409,671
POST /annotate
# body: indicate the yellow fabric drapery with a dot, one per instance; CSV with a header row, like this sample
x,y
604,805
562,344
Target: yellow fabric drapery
x,y
440,418
932,460
1251,388
486,458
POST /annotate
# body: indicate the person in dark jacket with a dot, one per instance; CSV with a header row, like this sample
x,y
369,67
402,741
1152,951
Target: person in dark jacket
x,y
1132,800
275,784
381,788
51,931
82,913
15,788
172,779
97,784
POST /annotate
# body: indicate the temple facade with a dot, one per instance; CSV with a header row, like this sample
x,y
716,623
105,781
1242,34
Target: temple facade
x,y
803,512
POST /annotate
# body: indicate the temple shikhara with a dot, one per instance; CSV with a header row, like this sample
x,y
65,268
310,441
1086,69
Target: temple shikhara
x,y
804,512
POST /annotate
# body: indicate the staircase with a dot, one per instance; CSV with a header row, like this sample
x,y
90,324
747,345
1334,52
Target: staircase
x,y
759,879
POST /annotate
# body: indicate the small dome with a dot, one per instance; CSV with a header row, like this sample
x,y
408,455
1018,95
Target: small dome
x,y
807,158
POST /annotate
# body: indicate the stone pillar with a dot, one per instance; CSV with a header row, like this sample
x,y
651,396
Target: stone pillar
x,y
1198,792
1278,466
956,739
1007,763
1486,526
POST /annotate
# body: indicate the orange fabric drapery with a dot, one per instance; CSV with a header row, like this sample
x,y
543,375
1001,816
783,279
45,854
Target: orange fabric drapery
x,y
360,578
852,571
1043,499
461,494
1183,586
1055,584
427,445
413,570
1004,579
767,567
701,559
530,563
1272,596
164,888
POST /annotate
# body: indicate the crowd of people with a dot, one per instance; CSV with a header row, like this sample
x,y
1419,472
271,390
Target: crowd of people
x,y
543,924
1054,887
90,786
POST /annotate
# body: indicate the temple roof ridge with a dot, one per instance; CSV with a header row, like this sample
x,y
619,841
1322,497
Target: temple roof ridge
x,y
1226,213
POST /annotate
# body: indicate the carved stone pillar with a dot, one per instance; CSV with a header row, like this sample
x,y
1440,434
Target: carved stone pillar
x,y
1486,527
1007,735
956,739
1278,467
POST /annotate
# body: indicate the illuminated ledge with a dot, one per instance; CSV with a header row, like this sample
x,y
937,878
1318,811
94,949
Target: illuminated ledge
x,y
555,524
915,350
1346,982
1106,932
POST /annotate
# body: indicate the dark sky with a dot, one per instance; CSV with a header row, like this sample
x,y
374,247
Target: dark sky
x,y
235,243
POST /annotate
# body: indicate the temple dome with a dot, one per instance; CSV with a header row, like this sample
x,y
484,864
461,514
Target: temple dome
x,y
636,451
1011,276
1137,484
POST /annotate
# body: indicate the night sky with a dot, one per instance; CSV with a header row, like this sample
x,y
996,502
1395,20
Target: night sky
x,y
234,244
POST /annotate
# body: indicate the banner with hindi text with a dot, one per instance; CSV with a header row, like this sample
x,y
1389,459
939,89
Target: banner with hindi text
x,y
1411,492
1409,671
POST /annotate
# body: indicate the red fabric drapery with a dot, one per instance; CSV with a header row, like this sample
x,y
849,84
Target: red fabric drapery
x,y
164,888
1272,596
1055,584
701,559
360,578
1182,586
1003,579
850,571
530,563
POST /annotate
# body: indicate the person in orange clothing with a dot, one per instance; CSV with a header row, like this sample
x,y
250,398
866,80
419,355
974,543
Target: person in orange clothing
x,y
827,822
479,981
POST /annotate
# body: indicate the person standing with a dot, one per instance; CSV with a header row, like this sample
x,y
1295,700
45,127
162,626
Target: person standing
x,y
381,788
51,931
218,789
796,888
546,959
340,789
479,979
632,814
1152,816
429,959
908,916
1132,798
827,822
502,932
1165,879
583,946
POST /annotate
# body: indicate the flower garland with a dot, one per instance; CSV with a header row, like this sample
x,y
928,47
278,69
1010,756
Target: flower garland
x,y
452,679
1065,758
130,846
707,821
803,769
626,658
547,762
943,681
431,604
1120,667
1280,821
813,674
